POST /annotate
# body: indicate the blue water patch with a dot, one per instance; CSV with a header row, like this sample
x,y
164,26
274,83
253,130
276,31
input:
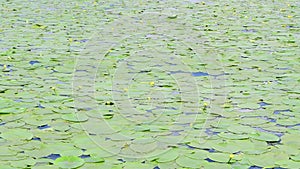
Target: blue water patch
x,y
53,156
60,82
36,138
83,40
209,160
211,150
199,74
85,156
190,147
40,106
175,133
175,93
43,127
249,30
122,160
291,126
279,134
18,100
268,118
211,132
33,62
262,104
178,71
271,120
255,167
278,111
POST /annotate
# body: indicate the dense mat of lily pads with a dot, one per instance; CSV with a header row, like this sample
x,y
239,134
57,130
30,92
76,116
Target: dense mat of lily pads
x,y
149,84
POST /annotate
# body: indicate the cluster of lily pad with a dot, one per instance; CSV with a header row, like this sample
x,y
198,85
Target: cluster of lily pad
x,y
156,84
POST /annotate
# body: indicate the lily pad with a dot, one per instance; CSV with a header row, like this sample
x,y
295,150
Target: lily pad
x,y
14,110
264,136
232,136
168,156
262,159
240,129
187,162
219,157
69,162
17,134
75,117
295,157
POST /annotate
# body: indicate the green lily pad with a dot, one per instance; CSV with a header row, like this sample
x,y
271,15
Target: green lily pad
x,y
264,136
288,163
219,157
45,167
5,151
6,166
249,105
17,134
252,146
230,146
93,159
144,147
240,129
295,157
232,136
263,159
98,152
131,165
291,139
197,154
168,165
69,162
253,121
23,163
210,165
288,122
14,110
187,162
75,117
168,156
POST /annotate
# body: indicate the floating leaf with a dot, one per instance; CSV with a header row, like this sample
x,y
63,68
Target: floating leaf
x,y
187,162
45,167
69,162
296,157
232,136
93,159
219,157
143,148
130,165
252,146
14,110
227,146
264,136
239,129
197,154
23,162
209,165
253,121
16,134
168,156
75,117
5,151
263,159
288,122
